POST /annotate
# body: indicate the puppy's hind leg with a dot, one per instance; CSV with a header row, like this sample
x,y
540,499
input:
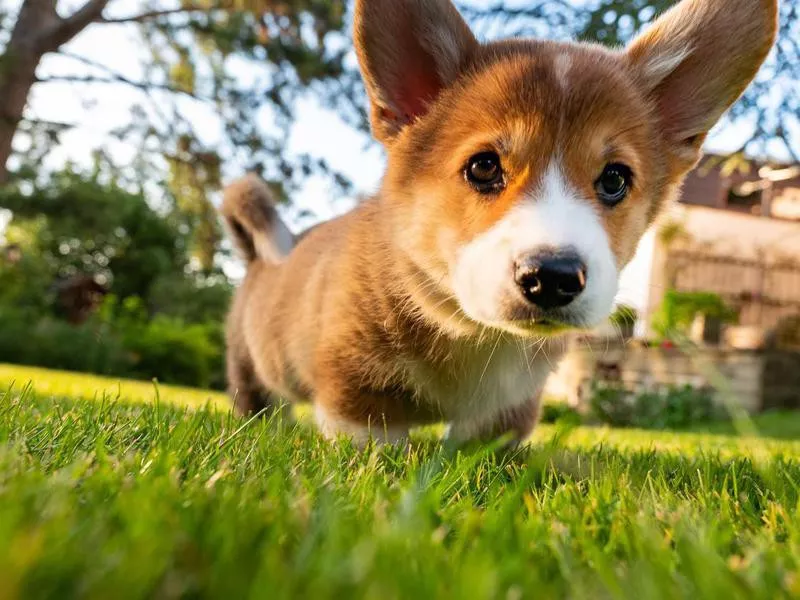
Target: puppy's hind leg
x,y
249,396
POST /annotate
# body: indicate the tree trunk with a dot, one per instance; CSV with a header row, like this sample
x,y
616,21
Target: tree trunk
x,y
14,88
18,70
38,30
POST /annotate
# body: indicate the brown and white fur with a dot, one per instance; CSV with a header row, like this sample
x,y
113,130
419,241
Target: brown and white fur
x,y
405,311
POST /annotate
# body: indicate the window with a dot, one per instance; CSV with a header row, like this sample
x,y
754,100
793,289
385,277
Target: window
x,y
746,202
786,204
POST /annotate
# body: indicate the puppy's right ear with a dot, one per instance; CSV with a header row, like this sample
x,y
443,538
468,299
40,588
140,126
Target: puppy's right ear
x,y
696,60
409,51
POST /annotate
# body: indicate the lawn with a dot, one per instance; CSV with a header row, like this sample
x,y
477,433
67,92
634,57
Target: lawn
x,y
106,493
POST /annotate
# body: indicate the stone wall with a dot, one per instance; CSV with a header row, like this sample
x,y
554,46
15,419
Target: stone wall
x,y
781,380
752,380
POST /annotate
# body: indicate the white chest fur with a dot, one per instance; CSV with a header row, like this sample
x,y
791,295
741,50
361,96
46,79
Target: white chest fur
x,y
474,384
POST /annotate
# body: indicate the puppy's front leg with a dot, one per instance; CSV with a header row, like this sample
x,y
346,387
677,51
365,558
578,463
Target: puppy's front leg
x,y
339,416
517,422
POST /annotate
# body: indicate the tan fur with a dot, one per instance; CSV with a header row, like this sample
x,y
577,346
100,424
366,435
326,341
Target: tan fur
x,y
361,318
250,213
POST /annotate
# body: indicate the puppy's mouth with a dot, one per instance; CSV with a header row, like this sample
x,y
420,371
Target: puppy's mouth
x,y
542,327
533,321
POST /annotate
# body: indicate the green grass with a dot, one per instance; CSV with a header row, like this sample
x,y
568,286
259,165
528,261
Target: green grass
x,y
119,498
46,382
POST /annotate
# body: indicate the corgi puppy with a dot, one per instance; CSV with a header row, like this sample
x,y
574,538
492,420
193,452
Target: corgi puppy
x,y
521,176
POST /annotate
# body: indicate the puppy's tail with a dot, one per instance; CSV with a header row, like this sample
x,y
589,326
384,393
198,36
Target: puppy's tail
x,y
258,231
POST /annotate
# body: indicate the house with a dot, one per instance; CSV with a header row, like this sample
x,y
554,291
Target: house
x,y
735,233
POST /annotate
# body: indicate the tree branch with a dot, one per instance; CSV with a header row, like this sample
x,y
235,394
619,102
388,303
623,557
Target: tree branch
x,y
115,78
156,14
67,28
61,125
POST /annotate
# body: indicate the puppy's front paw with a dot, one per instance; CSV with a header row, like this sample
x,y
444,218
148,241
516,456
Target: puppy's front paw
x,y
334,427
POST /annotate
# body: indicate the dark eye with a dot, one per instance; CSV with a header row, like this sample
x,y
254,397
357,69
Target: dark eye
x,y
485,173
614,184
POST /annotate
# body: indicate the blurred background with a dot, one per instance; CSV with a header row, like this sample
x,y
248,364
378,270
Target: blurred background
x,y
120,120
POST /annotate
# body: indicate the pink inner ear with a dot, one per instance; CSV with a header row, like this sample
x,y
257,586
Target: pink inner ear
x,y
420,86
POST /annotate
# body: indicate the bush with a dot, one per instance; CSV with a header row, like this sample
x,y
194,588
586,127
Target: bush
x,y
77,225
612,405
675,408
679,309
168,350
191,298
119,343
560,412
93,347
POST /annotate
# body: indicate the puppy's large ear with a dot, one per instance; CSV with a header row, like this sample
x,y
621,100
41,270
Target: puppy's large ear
x,y
409,50
697,59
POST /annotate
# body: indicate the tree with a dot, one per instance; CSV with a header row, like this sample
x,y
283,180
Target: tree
x,y
295,45
77,225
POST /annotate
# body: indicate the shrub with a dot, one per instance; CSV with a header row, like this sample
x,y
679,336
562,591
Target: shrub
x,y
93,347
168,350
679,309
560,412
191,298
118,343
688,406
624,316
674,408
612,405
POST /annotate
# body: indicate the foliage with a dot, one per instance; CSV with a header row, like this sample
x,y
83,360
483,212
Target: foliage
x,y
191,298
161,320
240,67
26,285
611,405
679,309
674,408
170,351
561,413
92,347
120,341
75,224
624,316
102,499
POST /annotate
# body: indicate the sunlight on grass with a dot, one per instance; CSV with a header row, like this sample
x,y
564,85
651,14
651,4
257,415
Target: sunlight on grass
x,y
110,500
134,499
718,437
47,382
688,443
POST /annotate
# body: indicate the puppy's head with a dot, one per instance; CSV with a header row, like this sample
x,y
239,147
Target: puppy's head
x,y
522,174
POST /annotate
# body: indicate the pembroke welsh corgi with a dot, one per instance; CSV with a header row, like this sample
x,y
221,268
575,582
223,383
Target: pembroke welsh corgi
x,y
521,176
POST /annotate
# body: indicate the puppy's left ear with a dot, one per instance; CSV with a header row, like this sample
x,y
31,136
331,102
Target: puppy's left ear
x,y
696,60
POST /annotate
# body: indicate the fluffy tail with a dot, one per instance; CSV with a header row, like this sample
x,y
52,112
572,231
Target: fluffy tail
x,y
254,223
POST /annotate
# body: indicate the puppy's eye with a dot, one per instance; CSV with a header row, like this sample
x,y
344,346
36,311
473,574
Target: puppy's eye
x,y
614,184
485,173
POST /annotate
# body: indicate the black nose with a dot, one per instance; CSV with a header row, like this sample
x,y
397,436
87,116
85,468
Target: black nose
x,y
551,280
